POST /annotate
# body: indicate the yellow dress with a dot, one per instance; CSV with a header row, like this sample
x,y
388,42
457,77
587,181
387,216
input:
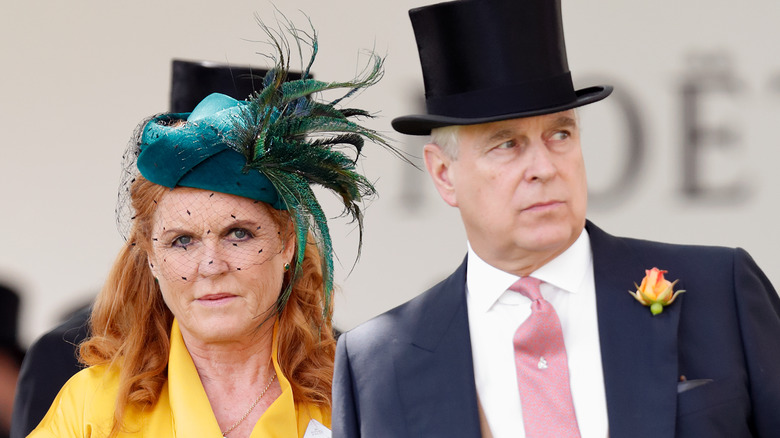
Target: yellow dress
x,y
85,405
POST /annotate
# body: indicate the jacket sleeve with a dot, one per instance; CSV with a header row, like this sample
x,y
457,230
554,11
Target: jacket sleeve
x,y
345,413
758,310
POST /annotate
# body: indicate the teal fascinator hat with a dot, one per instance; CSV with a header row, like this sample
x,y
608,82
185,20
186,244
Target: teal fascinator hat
x,y
271,147
193,150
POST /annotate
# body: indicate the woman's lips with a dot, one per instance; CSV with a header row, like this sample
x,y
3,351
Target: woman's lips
x,y
215,299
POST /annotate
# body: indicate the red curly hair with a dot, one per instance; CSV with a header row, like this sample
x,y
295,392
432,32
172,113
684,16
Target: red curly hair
x,y
131,324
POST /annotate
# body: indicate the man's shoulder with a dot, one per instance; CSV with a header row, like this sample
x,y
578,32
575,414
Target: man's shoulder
x,y
600,239
692,263
61,343
403,321
400,318
680,248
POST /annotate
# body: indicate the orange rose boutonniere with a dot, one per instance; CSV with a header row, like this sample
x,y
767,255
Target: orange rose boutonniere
x,y
655,291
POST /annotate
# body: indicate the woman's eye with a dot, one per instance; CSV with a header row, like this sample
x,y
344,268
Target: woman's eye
x,y
239,234
181,241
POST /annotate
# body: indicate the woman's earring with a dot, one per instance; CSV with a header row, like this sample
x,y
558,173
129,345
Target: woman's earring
x,y
286,267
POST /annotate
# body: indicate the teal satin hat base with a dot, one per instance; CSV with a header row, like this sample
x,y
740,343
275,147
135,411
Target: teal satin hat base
x,y
192,150
222,172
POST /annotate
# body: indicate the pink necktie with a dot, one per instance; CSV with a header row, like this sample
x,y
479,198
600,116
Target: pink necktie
x,y
542,369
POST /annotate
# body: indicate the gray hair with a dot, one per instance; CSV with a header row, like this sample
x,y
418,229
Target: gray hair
x,y
447,139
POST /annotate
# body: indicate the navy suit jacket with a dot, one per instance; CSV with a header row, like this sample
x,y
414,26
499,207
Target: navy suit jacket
x,y
409,372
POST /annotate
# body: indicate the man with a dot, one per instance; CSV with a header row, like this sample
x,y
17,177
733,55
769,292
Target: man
x,y
535,334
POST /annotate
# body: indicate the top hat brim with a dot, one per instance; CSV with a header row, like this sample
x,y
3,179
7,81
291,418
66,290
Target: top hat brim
x,y
422,124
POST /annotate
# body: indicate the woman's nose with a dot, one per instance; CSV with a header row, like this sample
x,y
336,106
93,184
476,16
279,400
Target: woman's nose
x,y
212,261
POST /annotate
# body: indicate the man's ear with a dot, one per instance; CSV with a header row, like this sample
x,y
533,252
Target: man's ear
x,y
439,165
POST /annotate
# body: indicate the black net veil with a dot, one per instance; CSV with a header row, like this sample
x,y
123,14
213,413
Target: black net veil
x,y
124,211
197,233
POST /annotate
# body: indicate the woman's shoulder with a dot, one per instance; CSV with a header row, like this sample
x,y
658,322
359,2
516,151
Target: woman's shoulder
x,y
87,399
93,386
94,380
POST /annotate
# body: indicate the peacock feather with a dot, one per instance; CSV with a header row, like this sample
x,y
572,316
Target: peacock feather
x,y
296,139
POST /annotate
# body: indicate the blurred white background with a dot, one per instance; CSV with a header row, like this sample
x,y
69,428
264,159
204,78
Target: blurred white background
x,y
684,150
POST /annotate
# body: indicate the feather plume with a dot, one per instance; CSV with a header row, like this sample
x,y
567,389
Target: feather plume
x,y
297,140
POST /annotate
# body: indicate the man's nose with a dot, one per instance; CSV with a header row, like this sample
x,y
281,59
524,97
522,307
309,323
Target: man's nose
x,y
540,166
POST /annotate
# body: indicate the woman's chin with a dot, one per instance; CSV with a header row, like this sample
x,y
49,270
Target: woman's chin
x,y
223,324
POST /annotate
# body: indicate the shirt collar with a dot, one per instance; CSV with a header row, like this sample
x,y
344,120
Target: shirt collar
x,y
486,283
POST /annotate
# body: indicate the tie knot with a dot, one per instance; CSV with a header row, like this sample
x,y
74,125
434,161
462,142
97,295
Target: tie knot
x,y
528,287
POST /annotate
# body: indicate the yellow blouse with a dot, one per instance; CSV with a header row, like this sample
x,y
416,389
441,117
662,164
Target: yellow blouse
x,y
85,405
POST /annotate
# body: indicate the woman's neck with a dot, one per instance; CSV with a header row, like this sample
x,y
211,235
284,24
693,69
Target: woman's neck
x,y
234,375
235,362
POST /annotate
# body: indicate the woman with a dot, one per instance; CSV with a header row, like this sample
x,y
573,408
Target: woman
x,y
215,319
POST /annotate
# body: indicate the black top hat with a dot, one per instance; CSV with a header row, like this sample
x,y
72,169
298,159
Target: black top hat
x,y
192,81
490,60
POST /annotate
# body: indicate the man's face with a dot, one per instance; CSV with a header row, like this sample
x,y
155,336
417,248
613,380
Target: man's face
x,y
520,187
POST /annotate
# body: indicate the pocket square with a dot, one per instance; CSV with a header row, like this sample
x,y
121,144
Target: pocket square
x,y
316,430
687,385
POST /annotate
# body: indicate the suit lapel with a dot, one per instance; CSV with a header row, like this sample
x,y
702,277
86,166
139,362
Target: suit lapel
x,y
638,350
436,376
639,353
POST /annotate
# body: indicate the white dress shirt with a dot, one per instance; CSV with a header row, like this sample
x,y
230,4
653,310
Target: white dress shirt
x,y
495,313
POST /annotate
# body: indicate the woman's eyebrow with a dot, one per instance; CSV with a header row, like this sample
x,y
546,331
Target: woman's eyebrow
x,y
175,230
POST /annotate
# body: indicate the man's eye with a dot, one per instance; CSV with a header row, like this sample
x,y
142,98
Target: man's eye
x,y
239,234
561,135
506,145
181,241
